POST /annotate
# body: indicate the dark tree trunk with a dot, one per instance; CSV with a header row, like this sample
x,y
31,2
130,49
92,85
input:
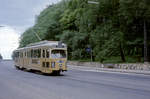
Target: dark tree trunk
x,y
122,54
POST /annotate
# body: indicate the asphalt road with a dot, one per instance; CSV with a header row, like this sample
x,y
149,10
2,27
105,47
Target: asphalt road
x,y
74,84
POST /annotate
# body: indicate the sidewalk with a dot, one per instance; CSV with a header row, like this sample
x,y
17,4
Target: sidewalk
x,y
95,69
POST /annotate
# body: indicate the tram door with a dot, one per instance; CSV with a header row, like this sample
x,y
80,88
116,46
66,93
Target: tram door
x,y
21,62
25,59
45,60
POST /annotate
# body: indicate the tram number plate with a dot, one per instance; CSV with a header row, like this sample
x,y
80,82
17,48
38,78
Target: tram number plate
x,y
60,65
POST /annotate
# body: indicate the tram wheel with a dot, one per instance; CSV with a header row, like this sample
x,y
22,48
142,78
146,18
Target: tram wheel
x,y
17,67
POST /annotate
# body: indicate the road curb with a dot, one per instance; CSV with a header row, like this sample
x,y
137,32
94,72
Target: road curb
x,y
95,69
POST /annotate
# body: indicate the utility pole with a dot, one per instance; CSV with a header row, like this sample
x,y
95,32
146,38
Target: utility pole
x,y
89,49
146,60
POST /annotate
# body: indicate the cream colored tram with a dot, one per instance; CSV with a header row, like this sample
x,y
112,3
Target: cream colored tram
x,y
44,56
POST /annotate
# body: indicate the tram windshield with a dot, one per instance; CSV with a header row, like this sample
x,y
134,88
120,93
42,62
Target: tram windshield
x,y
58,54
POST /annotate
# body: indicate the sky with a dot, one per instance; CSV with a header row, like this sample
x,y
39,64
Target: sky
x,y
16,16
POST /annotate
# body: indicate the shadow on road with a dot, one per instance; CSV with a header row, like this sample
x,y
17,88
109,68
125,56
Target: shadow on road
x,y
40,73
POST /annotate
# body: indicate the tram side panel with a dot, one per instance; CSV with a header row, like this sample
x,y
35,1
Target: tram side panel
x,y
40,59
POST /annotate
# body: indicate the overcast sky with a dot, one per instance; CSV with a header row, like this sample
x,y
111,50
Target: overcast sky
x,y
17,16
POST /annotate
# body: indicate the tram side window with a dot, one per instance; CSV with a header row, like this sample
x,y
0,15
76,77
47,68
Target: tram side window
x,y
28,54
16,55
36,53
39,53
32,53
47,53
43,54
25,54
21,54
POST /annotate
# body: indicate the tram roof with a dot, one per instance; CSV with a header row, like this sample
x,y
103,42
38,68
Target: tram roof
x,y
53,44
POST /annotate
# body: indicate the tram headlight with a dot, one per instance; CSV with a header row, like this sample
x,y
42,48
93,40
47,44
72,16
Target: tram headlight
x,y
53,64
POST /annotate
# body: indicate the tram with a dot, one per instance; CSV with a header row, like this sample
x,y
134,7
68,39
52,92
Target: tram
x,y
45,56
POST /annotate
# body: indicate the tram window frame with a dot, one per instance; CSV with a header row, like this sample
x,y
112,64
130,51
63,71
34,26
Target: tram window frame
x,y
28,54
47,53
14,55
39,53
35,53
21,54
25,54
32,53
17,54
43,53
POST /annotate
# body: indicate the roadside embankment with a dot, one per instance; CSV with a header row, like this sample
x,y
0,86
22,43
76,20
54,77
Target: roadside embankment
x,y
139,68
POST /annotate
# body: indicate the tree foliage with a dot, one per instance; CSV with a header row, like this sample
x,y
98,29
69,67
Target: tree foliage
x,y
110,28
